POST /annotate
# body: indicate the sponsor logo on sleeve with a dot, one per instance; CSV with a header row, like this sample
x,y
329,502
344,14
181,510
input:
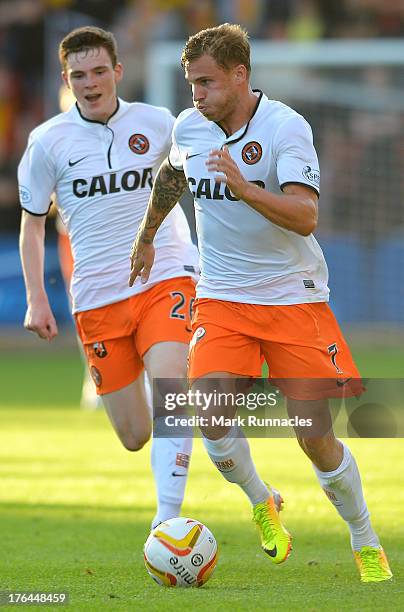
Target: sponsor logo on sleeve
x,y
25,194
312,175
139,144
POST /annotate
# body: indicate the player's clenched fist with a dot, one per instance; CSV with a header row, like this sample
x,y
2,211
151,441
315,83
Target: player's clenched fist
x,y
220,161
40,320
141,261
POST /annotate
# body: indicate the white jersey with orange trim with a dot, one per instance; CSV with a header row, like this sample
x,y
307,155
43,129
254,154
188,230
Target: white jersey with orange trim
x,y
102,175
243,256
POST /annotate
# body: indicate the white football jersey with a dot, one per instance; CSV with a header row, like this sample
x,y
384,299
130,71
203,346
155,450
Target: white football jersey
x,y
243,256
102,175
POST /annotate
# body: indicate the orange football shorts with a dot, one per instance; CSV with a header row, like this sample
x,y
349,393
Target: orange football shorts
x,y
306,353
116,336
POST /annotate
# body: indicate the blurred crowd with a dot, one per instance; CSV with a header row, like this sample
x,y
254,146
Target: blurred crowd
x,y
27,39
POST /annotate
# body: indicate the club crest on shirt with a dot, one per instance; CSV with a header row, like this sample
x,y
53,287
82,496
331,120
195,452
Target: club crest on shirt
x,y
252,152
139,144
100,350
312,175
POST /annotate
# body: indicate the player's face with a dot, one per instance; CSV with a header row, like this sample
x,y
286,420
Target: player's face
x,y
92,79
214,90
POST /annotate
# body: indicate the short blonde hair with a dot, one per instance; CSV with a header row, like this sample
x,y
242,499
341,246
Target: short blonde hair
x,y
227,44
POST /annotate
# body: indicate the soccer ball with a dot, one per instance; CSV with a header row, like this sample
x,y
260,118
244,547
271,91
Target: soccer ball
x,y
180,552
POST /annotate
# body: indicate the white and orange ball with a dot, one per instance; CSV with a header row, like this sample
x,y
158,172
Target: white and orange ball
x,y
180,552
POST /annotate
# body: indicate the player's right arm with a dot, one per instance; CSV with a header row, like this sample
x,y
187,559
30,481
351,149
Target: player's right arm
x,y
39,317
168,187
36,178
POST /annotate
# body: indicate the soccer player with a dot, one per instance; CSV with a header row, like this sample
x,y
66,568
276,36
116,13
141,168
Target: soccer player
x,y
99,158
253,170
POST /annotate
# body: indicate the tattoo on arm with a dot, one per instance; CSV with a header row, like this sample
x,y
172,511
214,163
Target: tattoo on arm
x,y
168,187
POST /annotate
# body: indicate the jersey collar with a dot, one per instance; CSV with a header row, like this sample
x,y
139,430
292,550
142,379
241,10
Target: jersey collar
x,y
239,135
120,108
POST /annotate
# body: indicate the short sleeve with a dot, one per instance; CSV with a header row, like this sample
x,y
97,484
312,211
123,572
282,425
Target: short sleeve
x,y
170,119
174,157
296,157
36,179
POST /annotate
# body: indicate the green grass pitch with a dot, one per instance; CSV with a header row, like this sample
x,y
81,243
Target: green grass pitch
x,y
75,508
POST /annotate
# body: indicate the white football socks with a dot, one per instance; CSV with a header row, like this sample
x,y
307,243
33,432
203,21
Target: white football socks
x,y
231,455
343,488
170,459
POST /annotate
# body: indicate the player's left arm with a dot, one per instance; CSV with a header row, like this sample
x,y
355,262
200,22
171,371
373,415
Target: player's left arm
x,y
295,210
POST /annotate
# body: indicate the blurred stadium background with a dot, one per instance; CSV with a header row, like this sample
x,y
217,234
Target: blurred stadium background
x,y
338,62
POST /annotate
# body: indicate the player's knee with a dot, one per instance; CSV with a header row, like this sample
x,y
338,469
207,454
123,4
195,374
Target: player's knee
x,y
134,441
314,446
214,433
